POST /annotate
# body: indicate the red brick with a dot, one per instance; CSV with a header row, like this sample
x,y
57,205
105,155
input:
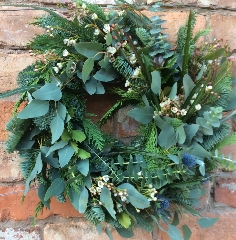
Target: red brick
x,y
20,233
224,27
124,125
11,207
206,3
11,65
84,230
11,162
223,229
225,191
15,28
174,20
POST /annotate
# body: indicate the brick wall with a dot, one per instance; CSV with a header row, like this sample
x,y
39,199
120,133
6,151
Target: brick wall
x,y
62,221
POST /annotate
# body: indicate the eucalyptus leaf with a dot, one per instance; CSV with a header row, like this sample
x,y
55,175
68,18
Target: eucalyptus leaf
x,y
167,136
174,158
90,49
156,82
103,76
108,39
57,128
56,188
134,196
174,233
83,166
56,146
107,201
41,194
48,92
61,111
83,200
48,158
142,114
173,91
187,232
35,108
125,233
65,154
87,68
188,85
36,170
180,134
207,222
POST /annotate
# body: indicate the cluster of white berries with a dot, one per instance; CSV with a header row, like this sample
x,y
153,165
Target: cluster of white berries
x,y
132,59
69,42
96,189
151,193
58,67
136,72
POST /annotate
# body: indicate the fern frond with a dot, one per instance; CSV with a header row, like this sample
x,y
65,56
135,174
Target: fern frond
x,y
123,67
209,142
93,133
144,37
228,140
17,127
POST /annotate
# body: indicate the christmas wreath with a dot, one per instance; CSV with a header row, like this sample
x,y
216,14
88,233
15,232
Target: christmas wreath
x,y
181,97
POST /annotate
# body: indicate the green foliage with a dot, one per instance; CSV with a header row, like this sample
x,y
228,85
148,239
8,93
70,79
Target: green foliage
x,y
17,128
94,214
144,37
93,133
219,134
123,67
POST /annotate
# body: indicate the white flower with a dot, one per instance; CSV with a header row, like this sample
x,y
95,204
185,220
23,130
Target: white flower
x,y
127,83
152,195
105,178
150,186
100,184
66,41
84,6
118,45
92,190
56,69
133,59
94,16
130,90
72,42
106,28
210,61
96,32
135,42
65,53
154,199
59,65
111,50
194,95
198,107
208,88
98,189
120,13
136,72
139,173
183,112
174,109
123,198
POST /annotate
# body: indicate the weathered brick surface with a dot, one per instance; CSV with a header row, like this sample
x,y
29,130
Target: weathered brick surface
x,y
15,28
11,207
205,3
125,126
20,233
11,65
223,229
225,191
224,27
86,231
175,19
11,162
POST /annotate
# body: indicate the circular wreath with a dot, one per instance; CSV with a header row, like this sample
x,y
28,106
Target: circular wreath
x,y
178,96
